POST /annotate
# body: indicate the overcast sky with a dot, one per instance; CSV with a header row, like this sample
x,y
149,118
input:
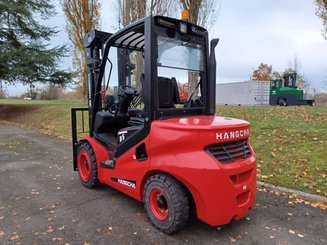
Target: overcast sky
x,y
250,32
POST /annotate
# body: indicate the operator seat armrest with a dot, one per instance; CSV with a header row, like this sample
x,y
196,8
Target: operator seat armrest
x,y
135,112
135,121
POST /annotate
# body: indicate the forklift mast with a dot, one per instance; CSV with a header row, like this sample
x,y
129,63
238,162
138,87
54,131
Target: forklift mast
x,y
94,42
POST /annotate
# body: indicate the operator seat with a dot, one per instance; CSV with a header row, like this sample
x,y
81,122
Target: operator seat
x,y
168,92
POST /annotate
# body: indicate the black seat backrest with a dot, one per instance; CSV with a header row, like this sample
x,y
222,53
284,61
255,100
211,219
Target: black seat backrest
x,y
168,92
177,97
142,80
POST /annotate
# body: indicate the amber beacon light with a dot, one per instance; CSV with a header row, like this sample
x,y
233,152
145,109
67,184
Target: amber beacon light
x,y
185,15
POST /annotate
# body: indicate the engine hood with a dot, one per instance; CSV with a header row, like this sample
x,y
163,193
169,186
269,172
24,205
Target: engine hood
x,y
214,129
203,122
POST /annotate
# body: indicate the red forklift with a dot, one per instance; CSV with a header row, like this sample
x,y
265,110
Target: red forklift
x,y
172,155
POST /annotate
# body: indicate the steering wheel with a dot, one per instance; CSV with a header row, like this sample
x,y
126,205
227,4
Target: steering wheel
x,y
128,90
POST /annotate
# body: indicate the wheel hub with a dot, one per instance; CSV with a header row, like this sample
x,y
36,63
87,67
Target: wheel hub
x,y
84,167
162,202
158,204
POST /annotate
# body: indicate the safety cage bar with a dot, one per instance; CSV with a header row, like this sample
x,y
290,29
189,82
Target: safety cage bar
x,y
75,132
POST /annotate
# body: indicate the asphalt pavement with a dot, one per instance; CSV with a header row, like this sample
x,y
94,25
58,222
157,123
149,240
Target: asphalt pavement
x,y
43,202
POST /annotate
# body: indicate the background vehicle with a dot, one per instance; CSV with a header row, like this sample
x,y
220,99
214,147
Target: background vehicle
x,y
287,93
261,93
145,142
243,93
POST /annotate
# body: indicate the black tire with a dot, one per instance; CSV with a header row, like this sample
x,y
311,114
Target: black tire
x,y
87,166
282,102
171,201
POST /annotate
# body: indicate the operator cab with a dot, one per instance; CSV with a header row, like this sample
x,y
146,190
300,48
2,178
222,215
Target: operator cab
x,y
290,80
141,76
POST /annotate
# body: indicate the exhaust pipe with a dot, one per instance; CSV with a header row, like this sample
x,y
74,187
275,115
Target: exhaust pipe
x,y
212,77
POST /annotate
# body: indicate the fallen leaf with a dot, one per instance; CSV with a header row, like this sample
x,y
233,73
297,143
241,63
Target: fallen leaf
x,y
300,235
59,239
232,239
50,230
291,231
15,238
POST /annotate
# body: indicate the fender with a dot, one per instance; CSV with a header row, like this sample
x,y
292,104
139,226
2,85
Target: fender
x,y
101,154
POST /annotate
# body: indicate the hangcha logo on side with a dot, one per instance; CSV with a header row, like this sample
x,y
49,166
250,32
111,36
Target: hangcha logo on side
x,y
126,182
129,183
233,134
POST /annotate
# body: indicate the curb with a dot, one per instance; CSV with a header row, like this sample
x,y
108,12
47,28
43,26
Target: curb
x,y
299,194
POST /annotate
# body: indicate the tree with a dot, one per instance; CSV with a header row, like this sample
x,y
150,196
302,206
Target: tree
x,y
2,91
324,84
202,12
295,66
321,12
52,93
264,73
306,86
130,11
82,16
24,50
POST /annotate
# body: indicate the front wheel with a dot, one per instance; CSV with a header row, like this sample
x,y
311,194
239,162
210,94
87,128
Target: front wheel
x,y
282,102
166,203
87,166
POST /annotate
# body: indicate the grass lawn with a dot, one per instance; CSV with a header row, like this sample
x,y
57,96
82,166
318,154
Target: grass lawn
x,y
52,115
290,142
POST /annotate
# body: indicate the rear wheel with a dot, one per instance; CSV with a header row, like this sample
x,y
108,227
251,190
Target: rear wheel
x,y
166,203
282,102
87,166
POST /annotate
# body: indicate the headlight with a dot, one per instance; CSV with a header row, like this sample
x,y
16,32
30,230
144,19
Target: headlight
x,y
183,28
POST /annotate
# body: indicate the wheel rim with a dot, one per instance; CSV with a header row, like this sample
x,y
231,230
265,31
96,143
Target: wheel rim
x,y
158,204
84,166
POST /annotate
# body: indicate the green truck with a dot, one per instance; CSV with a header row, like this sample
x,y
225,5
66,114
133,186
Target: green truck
x,y
287,93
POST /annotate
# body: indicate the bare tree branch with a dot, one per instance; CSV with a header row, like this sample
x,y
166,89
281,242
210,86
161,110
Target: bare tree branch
x,y
82,16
